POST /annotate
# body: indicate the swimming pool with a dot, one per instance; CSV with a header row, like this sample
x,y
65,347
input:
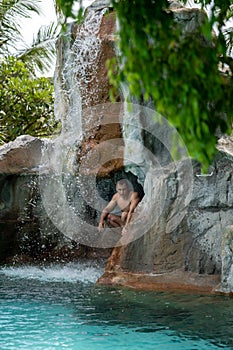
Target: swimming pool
x,y
60,307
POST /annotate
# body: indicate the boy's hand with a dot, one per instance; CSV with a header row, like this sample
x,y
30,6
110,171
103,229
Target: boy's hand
x,y
124,231
101,226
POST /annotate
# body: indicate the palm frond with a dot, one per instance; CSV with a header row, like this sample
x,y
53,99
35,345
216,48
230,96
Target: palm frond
x,y
11,12
19,8
41,53
228,33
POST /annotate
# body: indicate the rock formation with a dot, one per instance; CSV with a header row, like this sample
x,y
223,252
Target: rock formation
x,y
21,156
199,247
92,45
185,244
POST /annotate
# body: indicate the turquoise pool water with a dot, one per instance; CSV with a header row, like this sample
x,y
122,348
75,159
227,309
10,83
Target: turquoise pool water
x,y
61,307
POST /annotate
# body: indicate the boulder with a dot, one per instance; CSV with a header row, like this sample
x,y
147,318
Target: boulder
x,y
22,155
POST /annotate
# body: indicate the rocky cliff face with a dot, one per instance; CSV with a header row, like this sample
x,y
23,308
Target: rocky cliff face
x,y
200,245
82,82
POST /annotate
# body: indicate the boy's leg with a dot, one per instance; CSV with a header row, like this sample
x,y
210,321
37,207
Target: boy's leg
x,y
114,220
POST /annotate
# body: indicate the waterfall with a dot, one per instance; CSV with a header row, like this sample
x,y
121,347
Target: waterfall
x,y
60,188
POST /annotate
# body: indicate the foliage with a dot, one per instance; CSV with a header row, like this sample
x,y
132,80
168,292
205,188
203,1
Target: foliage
x,y
179,72
40,54
66,8
26,104
10,10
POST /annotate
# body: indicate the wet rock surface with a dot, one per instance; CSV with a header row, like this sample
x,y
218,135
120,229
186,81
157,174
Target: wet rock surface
x,y
21,155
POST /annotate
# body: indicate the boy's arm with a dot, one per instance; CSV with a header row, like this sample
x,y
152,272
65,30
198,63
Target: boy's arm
x,y
111,205
134,202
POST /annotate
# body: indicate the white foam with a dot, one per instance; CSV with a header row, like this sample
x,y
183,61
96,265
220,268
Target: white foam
x,y
71,272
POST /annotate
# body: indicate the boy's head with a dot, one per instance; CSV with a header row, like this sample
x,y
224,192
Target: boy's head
x,y
123,187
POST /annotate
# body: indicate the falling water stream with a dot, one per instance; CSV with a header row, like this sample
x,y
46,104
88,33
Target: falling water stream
x,y
60,187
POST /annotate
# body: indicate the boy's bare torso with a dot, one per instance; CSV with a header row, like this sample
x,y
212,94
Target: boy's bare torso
x,y
123,202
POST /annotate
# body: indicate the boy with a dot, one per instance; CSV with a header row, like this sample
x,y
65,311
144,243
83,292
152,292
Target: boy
x,y
119,210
